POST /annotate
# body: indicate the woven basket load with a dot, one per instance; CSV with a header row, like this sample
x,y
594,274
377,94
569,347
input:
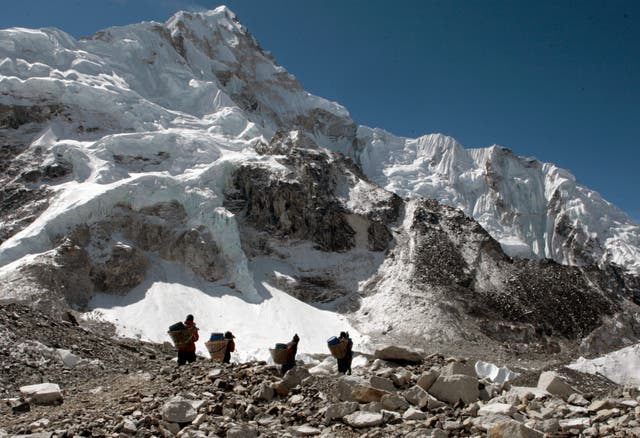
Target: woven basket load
x,y
339,351
182,338
217,349
279,355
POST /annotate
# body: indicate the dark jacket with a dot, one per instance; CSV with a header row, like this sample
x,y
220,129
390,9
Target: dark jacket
x,y
231,347
292,349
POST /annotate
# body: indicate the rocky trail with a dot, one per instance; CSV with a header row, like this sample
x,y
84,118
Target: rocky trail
x,y
123,387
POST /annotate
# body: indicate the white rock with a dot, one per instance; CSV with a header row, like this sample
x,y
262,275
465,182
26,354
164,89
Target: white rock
x,y
363,419
265,392
486,422
179,410
497,408
578,400
69,359
575,423
513,429
414,414
242,431
42,393
296,399
394,402
456,387
305,430
553,383
427,379
395,353
295,376
382,383
200,418
416,396
345,387
401,378
339,410
454,368
524,391
129,427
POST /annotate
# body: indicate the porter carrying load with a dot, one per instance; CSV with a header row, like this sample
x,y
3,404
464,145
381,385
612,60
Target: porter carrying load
x,y
279,354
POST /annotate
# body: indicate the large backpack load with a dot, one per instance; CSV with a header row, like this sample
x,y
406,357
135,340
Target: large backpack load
x,y
279,354
180,334
217,347
338,347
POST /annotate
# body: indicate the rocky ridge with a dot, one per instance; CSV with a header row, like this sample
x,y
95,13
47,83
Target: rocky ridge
x,y
127,388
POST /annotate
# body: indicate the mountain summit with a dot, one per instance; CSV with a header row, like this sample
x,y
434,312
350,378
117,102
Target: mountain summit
x,y
156,170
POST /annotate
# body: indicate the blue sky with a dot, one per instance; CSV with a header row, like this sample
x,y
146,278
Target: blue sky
x,y
557,80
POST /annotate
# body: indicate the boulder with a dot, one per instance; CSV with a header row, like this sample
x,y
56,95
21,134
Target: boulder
x,y
575,423
305,430
454,368
487,422
363,419
450,389
339,410
382,383
427,379
399,354
345,387
180,410
497,409
129,427
553,383
414,414
295,376
394,402
513,429
417,396
265,392
366,394
401,378
373,406
242,431
42,393
578,400
598,405
69,359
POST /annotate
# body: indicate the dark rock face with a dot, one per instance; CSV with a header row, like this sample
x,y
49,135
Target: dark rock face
x,y
294,209
14,116
553,298
313,289
304,203
19,207
439,260
94,257
124,269
25,173
549,298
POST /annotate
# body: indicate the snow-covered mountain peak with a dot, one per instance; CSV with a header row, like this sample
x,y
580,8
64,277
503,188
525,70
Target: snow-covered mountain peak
x,y
533,209
177,159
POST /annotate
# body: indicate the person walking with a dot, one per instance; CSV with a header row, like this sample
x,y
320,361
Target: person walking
x,y
231,347
187,352
292,350
344,364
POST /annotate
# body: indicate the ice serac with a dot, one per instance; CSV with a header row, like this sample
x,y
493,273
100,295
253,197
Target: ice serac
x,y
534,209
